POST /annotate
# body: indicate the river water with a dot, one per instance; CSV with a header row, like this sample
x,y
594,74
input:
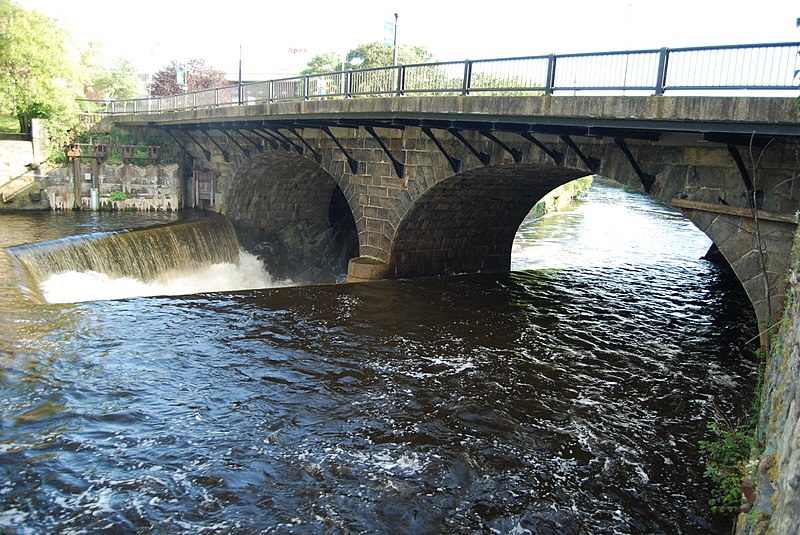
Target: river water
x,y
565,397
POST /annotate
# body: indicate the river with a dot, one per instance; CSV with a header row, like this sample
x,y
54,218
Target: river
x,y
565,397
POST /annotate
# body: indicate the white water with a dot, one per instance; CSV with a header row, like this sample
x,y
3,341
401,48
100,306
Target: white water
x,y
74,287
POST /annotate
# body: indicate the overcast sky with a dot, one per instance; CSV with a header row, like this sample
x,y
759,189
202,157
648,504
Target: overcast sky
x,y
279,37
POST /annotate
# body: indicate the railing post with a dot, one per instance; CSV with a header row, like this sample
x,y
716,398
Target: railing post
x,y
661,82
467,82
305,87
269,92
348,84
401,80
550,83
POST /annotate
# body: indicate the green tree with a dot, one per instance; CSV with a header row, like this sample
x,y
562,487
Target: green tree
x,y
196,74
118,81
377,54
367,56
36,75
101,81
328,62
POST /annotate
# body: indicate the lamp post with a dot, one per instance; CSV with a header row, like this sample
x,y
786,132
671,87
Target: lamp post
x,y
394,46
241,96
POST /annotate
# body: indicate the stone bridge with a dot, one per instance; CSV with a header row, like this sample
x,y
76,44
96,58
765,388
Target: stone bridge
x,y
414,186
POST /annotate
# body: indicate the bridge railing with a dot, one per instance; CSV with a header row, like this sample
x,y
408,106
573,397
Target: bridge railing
x,y
771,66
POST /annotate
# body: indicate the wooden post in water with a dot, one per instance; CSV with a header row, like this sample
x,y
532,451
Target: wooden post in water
x,y
73,157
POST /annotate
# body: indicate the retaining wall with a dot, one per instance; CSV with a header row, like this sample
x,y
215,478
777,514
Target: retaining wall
x,y
775,469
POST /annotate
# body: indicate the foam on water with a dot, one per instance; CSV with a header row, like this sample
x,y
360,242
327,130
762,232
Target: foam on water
x,y
74,286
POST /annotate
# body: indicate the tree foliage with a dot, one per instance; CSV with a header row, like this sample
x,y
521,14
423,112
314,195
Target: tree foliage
x,y
102,81
119,81
36,74
198,76
367,56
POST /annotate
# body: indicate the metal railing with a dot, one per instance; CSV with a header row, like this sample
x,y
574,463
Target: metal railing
x,y
771,66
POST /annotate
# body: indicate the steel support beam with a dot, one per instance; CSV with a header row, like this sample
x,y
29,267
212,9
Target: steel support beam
x,y
257,144
737,158
485,158
515,153
180,145
455,163
754,197
399,167
275,140
297,148
315,154
225,155
206,152
350,160
556,156
593,164
648,180
244,150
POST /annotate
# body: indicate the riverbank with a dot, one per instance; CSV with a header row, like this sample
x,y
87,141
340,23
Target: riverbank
x,y
561,197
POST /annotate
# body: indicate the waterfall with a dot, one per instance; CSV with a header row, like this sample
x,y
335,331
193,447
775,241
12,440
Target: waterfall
x,y
152,258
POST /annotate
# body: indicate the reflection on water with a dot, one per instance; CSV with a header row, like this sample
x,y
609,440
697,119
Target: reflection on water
x,y
608,226
550,401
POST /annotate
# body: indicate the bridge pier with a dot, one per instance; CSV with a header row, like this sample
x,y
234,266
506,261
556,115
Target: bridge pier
x,y
366,268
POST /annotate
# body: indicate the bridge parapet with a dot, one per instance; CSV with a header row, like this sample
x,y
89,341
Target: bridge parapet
x,y
752,67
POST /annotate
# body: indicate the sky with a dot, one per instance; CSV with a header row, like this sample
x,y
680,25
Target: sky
x,y
278,38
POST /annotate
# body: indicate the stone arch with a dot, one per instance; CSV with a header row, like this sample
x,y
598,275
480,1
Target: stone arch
x,y
292,213
467,222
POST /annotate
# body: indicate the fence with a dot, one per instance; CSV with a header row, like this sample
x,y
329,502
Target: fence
x,y
772,66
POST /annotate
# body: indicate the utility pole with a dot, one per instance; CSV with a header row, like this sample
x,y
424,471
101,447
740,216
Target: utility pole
x,y
394,51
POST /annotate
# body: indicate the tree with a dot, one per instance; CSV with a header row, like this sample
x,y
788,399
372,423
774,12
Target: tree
x,y
328,62
101,81
196,76
118,81
375,54
36,74
367,56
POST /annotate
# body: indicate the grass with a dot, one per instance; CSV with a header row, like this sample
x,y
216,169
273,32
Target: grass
x,y
9,123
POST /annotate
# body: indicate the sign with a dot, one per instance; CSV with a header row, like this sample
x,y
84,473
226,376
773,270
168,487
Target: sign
x,y
388,33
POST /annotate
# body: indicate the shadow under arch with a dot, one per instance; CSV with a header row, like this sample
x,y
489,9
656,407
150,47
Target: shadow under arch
x,y
467,222
292,214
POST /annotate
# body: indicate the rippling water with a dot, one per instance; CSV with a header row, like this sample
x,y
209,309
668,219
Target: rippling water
x,y
541,401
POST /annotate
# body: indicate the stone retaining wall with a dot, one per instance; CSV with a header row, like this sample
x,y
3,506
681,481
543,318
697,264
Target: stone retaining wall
x,y
775,471
151,187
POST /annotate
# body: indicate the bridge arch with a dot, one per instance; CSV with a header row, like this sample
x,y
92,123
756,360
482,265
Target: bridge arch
x,y
292,213
468,221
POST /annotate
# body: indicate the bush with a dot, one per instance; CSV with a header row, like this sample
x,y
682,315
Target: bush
x,y
725,457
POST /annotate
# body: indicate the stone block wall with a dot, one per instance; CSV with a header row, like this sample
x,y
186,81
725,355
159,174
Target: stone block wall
x,y
152,187
775,469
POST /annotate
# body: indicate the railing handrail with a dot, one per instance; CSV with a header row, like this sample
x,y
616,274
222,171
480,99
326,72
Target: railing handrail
x,y
643,70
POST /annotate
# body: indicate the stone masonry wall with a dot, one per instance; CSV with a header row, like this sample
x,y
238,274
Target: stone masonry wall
x,y
152,187
20,162
776,470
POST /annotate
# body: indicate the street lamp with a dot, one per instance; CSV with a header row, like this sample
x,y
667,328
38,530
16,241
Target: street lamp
x,y
241,96
394,51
